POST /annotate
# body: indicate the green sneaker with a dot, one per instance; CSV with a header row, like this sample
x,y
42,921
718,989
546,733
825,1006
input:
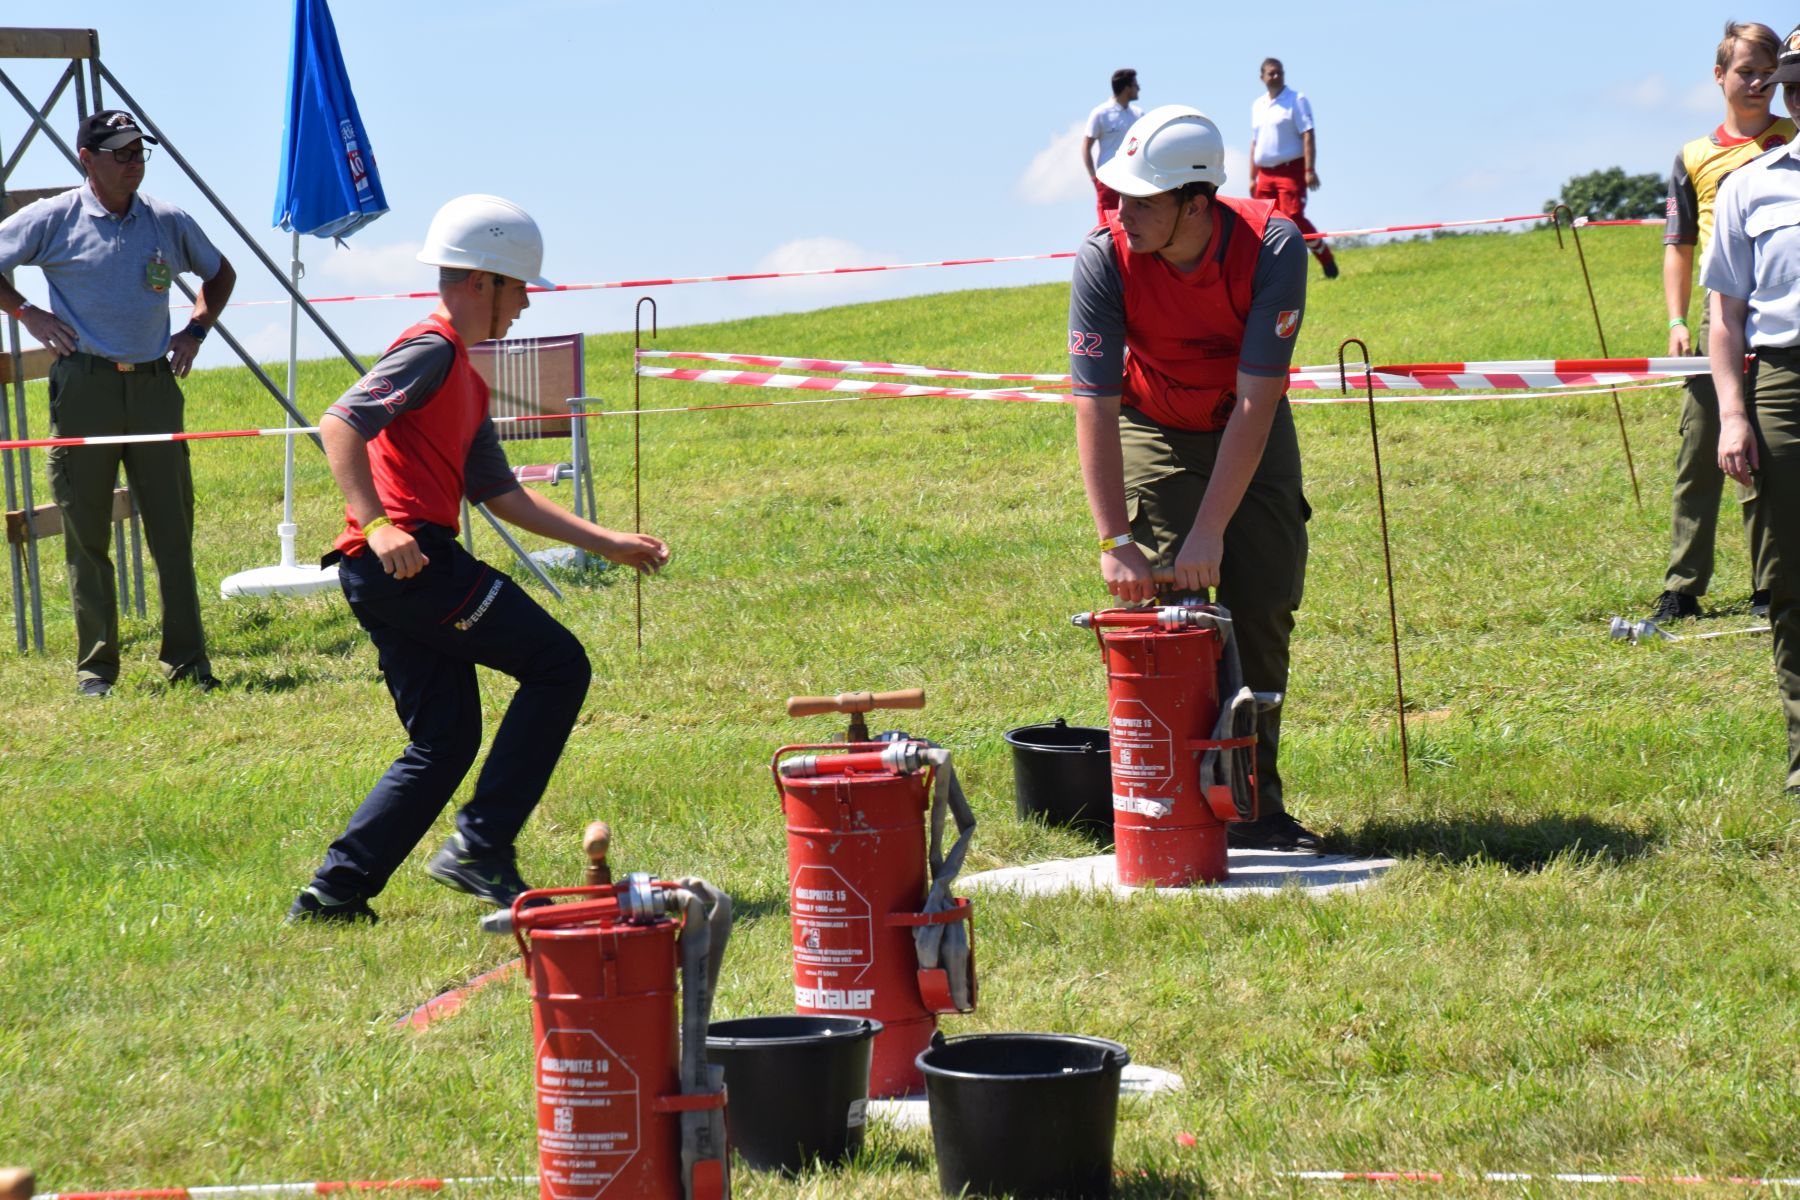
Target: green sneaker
x,y
490,877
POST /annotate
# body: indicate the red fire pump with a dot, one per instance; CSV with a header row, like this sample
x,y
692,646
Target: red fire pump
x,y
625,1107
873,936
1182,763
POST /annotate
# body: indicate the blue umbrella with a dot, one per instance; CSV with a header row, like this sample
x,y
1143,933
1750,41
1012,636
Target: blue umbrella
x,y
328,188
328,184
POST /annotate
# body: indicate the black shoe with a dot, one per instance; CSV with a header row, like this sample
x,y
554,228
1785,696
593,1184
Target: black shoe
x,y
1674,606
1273,831
490,877
96,689
203,680
309,906
1331,267
1759,602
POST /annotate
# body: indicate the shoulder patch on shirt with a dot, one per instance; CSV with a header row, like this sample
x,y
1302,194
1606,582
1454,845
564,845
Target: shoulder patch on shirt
x,y
1286,321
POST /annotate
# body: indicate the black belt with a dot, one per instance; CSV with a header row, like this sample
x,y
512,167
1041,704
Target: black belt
x,y
94,362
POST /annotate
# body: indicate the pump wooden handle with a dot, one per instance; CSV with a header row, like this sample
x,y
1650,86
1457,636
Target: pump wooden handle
x,y
17,1183
596,840
855,702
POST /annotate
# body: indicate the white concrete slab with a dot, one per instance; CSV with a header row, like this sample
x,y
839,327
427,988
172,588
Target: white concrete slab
x,y
1251,873
1135,1082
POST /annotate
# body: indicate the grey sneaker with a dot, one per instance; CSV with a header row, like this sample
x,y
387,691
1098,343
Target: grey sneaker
x,y
94,689
490,877
313,905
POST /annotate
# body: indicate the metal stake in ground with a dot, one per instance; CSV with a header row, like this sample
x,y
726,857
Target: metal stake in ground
x,y
1618,409
637,418
1387,556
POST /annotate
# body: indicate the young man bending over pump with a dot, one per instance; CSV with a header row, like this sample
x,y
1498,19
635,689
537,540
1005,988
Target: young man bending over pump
x,y
1182,320
406,445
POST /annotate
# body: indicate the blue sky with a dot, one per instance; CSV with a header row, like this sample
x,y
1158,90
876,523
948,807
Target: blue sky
x,y
707,138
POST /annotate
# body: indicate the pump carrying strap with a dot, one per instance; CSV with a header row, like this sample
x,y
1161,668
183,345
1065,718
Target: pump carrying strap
x,y
1238,709
705,928
946,947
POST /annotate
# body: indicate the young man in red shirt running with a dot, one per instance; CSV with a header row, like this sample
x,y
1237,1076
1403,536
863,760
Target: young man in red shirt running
x,y
406,445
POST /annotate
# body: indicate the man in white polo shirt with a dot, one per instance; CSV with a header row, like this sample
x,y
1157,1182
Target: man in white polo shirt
x,y
1282,149
1750,273
1107,125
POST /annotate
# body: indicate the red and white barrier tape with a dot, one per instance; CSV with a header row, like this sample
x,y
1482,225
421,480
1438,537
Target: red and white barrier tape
x,y
842,366
914,266
1405,377
1508,374
843,395
323,1188
817,383
1528,1177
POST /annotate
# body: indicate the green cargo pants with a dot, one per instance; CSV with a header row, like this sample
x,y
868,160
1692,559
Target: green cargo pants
x,y
89,397
1775,488
1699,485
1263,571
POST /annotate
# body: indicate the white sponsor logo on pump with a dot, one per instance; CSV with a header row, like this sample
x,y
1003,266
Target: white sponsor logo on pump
x,y
834,999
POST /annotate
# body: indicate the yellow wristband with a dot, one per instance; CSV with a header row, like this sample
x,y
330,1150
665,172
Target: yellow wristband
x,y
377,523
1113,543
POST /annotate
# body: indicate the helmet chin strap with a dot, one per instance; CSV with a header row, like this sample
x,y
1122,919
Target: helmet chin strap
x,y
494,310
1180,210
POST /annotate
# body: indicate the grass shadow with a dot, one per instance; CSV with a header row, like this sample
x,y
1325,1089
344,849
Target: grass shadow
x,y
1150,1184
1520,845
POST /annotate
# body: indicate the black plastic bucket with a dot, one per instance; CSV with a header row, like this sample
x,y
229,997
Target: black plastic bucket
x,y
1062,773
1023,1114
797,1087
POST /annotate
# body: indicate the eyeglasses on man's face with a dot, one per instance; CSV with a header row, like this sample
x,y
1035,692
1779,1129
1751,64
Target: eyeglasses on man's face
x,y
128,154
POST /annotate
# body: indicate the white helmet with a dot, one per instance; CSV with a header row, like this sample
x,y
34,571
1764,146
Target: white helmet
x,y
486,233
1166,147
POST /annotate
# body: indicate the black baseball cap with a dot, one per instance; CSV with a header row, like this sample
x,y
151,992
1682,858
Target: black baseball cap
x,y
1787,68
109,129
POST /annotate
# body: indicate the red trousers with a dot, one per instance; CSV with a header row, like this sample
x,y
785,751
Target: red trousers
x,y
1285,185
1106,202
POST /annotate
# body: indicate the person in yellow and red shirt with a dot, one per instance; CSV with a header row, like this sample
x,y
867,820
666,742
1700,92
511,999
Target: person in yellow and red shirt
x,y
1742,66
406,445
1182,318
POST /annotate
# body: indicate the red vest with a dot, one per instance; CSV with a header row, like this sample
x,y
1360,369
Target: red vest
x,y
1184,330
418,460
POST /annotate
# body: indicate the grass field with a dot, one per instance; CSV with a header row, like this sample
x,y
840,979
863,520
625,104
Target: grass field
x,y
1585,960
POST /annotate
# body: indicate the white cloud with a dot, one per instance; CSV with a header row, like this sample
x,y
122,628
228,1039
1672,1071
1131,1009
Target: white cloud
x,y
365,267
1052,176
817,254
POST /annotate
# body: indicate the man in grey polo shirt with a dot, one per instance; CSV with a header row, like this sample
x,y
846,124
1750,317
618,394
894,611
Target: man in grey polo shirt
x,y
1750,273
110,256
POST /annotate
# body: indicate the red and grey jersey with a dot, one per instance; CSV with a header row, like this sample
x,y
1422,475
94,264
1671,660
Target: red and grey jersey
x,y
423,409
1171,343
